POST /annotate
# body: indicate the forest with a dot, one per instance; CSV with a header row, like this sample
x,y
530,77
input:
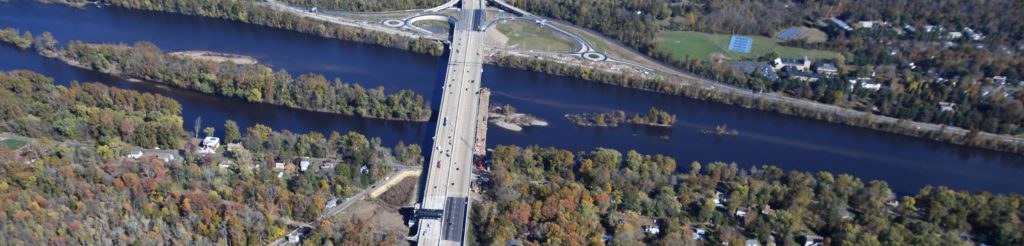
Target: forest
x,y
604,197
31,105
250,82
367,5
914,95
83,190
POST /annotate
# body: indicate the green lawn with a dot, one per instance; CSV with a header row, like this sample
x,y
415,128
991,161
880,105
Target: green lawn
x,y
530,36
13,144
702,45
443,25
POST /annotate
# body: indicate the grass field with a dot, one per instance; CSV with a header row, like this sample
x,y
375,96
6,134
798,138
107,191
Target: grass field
x,y
434,25
702,46
12,144
530,36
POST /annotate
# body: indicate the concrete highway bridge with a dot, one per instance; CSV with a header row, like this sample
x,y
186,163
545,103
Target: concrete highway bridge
x,y
442,215
443,212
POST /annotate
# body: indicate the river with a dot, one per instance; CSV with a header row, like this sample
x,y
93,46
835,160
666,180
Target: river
x,y
791,143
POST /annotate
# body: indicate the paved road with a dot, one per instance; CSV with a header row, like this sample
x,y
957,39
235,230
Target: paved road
x,y
450,167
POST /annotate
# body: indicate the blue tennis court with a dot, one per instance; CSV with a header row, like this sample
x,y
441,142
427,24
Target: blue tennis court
x,y
790,34
740,44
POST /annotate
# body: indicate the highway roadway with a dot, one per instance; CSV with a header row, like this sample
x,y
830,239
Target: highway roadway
x,y
447,187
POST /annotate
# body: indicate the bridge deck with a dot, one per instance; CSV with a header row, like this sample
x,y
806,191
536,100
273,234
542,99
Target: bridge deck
x,y
450,167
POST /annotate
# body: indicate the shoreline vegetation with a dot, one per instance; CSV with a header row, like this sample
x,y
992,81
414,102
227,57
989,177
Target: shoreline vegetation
x,y
251,82
946,134
654,117
506,117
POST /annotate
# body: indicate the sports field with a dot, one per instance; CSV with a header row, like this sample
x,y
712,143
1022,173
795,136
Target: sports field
x,y
702,46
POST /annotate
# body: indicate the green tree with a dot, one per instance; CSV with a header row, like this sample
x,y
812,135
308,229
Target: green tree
x,y
231,132
209,131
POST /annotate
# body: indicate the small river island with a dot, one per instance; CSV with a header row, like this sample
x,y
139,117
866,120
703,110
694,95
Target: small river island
x,y
654,117
506,117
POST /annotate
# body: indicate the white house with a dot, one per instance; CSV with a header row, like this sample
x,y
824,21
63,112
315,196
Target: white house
x,y
955,35
866,24
209,145
751,242
303,165
742,212
800,64
166,157
946,106
332,203
698,233
135,154
866,83
653,228
327,165
279,165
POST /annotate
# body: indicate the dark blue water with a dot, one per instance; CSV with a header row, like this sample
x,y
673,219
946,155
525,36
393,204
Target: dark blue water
x,y
791,143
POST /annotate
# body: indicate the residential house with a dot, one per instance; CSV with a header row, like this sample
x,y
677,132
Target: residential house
x,y
698,233
974,35
866,24
826,68
209,145
947,106
840,24
303,165
909,28
742,212
652,229
762,69
954,35
796,73
800,64
135,154
767,210
866,83
327,165
331,203
166,157
720,199
279,165
813,240
1000,80
930,28
751,242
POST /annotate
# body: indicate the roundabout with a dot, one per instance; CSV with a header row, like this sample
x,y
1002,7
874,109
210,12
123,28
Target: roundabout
x,y
594,56
394,23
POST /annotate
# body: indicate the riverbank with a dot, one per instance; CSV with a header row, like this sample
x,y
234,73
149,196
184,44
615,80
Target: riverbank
x,y
216,57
